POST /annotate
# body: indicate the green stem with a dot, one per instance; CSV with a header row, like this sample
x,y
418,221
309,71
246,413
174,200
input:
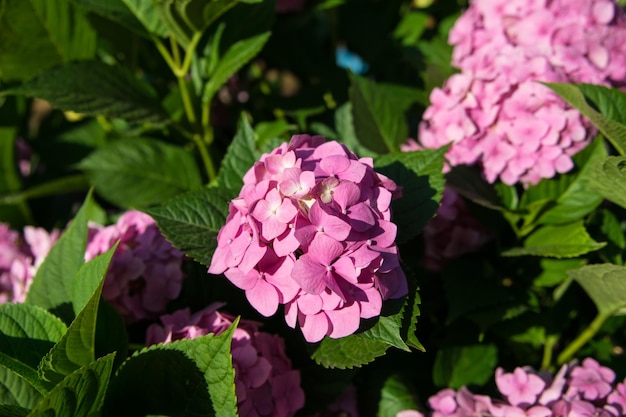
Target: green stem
x,y
165,54
582,338
184,94
548,348
63,185
206,121
206,158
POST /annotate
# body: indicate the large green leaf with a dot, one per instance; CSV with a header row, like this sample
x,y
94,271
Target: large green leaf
x,y
561,241
348,352
193,220
611,102
80,394
94,88
141,172
569,197
118,11
378,122
609,179
344,124
463,365
614,131
239,54
37,34
16,391
240,156
88,279
161,379
52,284
605,284
77,346
148,15
420,175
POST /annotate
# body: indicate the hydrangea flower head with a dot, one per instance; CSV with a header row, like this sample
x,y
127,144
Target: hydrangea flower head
x,y
145,273
265,383
20,258
495,113
311,229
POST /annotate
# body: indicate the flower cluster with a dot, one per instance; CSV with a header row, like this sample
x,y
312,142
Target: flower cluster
x,y
20,257
145,273
265,383
494,111
454,231
312,229
575,391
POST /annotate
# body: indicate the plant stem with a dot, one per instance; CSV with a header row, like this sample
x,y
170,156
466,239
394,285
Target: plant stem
x,y
206,158
548,348
582,338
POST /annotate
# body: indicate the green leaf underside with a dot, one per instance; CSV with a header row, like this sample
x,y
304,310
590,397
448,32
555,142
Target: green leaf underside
x,y
77,346
148,15
605,284
141,172
38,34
419,174
16,390
564,241
609,179
193,220
183,371
52,284
464,365
240,157
81,393
94,88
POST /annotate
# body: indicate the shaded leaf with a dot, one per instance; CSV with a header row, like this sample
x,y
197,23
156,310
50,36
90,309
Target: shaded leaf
x,y
193,220
609,179
240,157
148,15
564,241
464,365
141,172
605,284
38,34
419,173
395,396
17,391
94,88
118,11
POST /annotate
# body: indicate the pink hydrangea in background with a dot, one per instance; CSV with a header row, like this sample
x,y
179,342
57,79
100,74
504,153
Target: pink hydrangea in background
x,y
265,383
586,390
454,231
145,273
20,257
312,229
495,113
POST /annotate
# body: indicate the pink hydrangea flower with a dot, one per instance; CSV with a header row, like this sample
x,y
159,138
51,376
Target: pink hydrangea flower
x,y
311,229
591,380
495,113
265,383
519,387
20,257
145,273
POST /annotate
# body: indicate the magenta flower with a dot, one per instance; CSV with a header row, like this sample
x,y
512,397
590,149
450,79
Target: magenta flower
x,y
519,387
591,380
265,383
311,229
145,273
495,113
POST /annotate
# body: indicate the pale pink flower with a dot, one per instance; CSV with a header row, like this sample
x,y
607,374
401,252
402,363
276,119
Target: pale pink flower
x,y
591,380
519,387
265,383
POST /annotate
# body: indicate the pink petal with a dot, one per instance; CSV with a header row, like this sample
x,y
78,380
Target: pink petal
x,y
345,321
263,297
315,327
309,274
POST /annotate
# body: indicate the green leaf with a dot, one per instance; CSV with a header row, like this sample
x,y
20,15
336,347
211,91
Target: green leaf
x,y
52,284
420,175
411,27
344,124
614,131
117,11
187,390
94,88
348,352
240,156
141,172
16,391
609,179
555,271
464,365
38,34
562,241
77,346
193,220
13,411
378,124
82,393
88,279
611,102
570,196
605,284
239,54
148,15
64,185
396,395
